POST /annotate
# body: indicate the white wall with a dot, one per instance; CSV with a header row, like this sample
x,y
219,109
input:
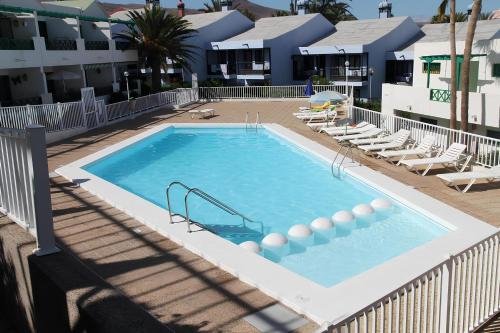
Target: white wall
x,y
484,109
284,46
230,25
377,51
486,82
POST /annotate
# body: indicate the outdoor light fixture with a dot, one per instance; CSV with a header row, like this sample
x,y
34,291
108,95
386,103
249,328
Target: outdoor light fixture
x,y
371,72
126,74
347,76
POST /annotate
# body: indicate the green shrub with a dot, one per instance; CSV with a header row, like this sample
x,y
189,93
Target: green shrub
x,y
370,105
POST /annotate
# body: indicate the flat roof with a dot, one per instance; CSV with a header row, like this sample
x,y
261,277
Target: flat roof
x,y
273,27
360,32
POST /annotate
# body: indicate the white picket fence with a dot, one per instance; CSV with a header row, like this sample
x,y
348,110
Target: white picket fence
x,y
66,116
116,111
24,183
456,296
484,150
262,92
54,117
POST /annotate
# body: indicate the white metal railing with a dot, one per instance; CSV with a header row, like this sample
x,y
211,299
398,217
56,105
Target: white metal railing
x,y
142,104
24,183
484,150
54,117
456,296
262,92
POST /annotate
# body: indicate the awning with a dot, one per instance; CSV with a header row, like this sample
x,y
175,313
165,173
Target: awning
x,y
46,13
460,57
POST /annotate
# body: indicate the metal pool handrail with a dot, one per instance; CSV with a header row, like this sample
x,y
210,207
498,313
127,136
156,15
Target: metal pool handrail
x,y
207,197
348,152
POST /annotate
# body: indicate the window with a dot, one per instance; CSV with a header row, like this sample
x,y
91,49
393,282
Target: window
x,y
428,121
435,68
496,70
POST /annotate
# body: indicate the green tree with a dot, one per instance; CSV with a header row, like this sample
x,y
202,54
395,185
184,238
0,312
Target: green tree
x,y
334,11
158,36
281,13
471,31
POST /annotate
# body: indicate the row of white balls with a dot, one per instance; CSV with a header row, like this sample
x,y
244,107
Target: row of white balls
x,y
301,232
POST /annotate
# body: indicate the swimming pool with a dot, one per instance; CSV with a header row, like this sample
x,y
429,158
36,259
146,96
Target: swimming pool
x,y
272,181
441,230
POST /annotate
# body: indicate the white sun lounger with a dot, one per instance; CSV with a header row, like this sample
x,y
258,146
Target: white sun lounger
x,y
345,130
451,157
202,113
365,135
305,113
489,175
382,139
320,125
332,115
398,141
421,150
319,116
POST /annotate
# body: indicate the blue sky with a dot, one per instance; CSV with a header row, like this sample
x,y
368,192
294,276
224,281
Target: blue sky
x,y
360,8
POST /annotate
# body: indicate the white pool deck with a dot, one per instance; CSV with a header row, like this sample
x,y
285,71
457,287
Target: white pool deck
x,y
319,303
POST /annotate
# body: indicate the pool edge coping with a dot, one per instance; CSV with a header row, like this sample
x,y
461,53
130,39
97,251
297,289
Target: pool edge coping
x,y
299,293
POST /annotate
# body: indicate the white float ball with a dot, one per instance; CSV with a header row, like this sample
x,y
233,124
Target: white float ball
x,y
299,231
363,210
381,204
343,216
322,224
274,240
344,220
275,246
251,246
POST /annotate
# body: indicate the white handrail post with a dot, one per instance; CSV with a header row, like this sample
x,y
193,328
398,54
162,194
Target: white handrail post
x,y
39,174
446,294
60,117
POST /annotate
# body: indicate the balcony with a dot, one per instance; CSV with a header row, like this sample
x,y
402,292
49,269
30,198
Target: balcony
x,y
354,74
440,95
97,45
253,68
60,45
16,44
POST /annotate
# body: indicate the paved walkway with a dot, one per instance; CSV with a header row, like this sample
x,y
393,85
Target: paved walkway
x,y
181,289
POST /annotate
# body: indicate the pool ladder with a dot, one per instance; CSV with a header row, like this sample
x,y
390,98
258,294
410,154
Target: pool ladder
x,y
249,126
342,153
210,199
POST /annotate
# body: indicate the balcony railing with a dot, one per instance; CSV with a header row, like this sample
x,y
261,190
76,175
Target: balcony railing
x,y
16,44
440,95
253,68
356,74
60,44
96,45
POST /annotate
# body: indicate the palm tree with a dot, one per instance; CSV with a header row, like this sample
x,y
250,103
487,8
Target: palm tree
x,y
453,56
334,11
158,36
471,30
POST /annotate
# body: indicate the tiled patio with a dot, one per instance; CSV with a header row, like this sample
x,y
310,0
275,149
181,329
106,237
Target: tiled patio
x,y
181,289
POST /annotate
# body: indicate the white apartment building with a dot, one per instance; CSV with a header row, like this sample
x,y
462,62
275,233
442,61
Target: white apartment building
x,y
49,50
209,27
263,54
355,53
427,99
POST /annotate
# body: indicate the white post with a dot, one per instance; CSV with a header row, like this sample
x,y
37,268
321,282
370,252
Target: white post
x,y
84,77
37,28
446,294
39,174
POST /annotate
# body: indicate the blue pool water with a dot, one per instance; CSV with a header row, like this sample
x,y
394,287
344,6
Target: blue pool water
x,y
270,180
